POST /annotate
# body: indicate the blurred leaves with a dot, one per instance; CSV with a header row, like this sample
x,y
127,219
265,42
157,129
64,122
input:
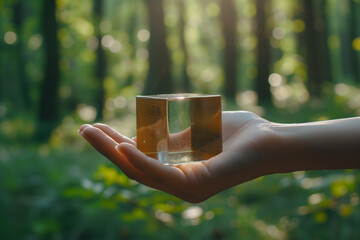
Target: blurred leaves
x,y
64,189
65,192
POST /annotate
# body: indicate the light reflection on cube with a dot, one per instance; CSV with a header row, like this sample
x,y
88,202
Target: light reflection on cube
x,y
179,128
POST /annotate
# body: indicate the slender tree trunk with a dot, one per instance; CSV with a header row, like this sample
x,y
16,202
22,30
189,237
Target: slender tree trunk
x,y
322,43
354,33
184,74
100,69
228,19
23,80
345,41
318,59
132,27
263,54
313,58
158,78
49,107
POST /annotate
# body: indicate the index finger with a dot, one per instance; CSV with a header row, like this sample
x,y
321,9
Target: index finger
x,y
107,147
119,138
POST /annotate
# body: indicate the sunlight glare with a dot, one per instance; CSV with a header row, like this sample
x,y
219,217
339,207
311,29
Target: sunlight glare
x,y
143,35
247,98
107,41
10,37
278,33
315,198
115,47
86,113
308,183
35,41
342,89
275,80
163,216
84,27
120,102
207,75
192,212
282,93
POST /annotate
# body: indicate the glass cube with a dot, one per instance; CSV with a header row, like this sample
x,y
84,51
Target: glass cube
x,y
179,128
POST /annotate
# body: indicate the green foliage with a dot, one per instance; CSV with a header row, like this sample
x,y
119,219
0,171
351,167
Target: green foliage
x,y
63,189
75,193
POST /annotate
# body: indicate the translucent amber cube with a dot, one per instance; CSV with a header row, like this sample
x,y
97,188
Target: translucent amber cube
x,y
179,128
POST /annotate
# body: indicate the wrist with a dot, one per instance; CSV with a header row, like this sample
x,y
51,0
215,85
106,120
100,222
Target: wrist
x,y
289,150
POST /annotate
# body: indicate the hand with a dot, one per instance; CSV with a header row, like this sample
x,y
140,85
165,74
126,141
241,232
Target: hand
x,y
246,142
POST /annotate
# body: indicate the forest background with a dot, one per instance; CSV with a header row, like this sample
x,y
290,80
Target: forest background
x,y
65,63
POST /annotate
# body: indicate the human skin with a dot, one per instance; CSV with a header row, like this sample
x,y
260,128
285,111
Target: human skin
x,y
252,147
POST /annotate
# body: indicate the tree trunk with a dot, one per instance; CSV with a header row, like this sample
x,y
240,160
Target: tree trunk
x,y
131,30
184,74
345,41
100,68
228,19
354,33
318,59
49,107
158,78
263,55
322,43
23,80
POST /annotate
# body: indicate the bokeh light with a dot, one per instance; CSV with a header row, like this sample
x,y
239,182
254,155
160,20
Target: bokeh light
x,y
35,41
143,35
10,37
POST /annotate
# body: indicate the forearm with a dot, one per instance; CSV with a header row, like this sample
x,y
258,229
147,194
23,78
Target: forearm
x,y
333,144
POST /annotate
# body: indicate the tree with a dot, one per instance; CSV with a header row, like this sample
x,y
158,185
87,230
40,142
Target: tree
x,y
318,59
262,86
228,18
354,33
49,106
100,69
184,74
131,30
23,80
158,77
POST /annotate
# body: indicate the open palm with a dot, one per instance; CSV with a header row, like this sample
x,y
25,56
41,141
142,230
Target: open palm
x,y
245,139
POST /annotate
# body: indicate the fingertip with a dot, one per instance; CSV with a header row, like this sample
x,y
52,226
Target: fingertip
x,y
99,125
86,129
89,131
83,127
